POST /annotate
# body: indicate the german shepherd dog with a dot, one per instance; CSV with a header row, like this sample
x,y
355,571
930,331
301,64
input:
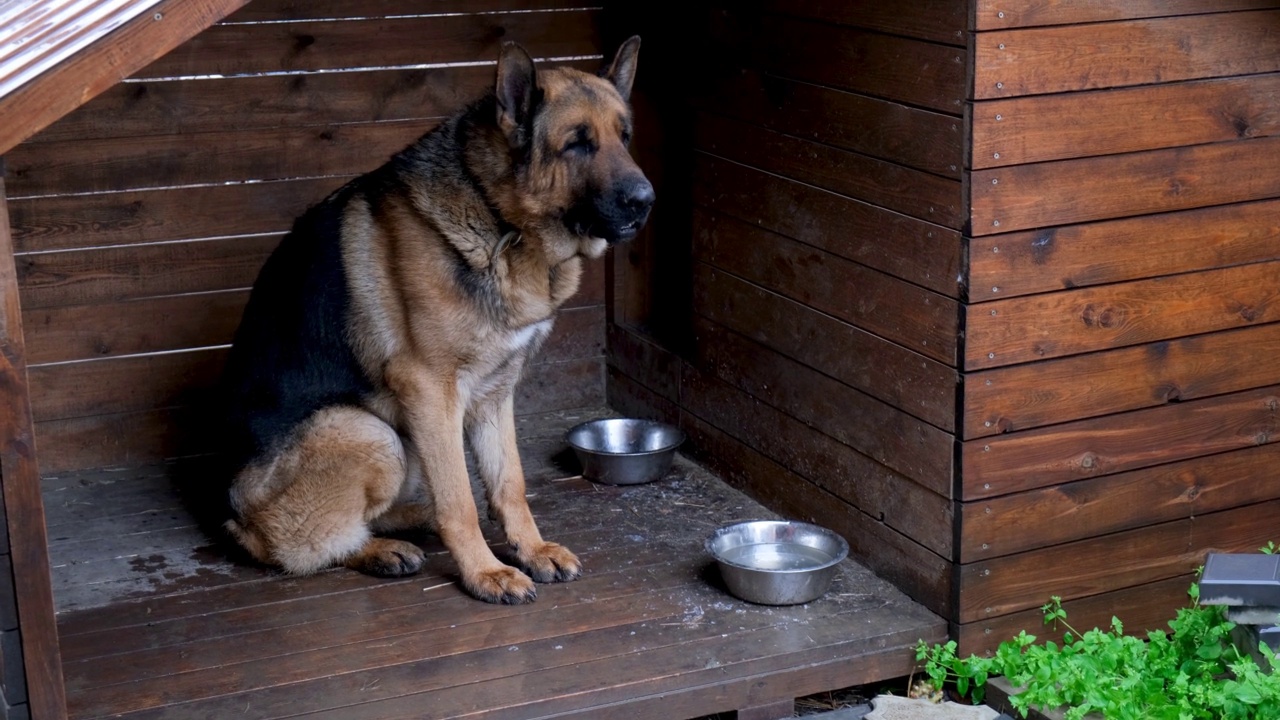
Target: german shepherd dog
x,y
395,318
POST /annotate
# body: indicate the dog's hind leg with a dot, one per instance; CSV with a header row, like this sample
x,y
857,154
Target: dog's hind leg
x,y
310,507
491,431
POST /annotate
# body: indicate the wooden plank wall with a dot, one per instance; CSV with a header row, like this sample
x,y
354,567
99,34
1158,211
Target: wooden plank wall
x,y
820,370
141,219
1121,392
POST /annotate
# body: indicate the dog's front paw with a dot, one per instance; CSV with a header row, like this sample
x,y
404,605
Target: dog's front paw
x,y
503,584
550,562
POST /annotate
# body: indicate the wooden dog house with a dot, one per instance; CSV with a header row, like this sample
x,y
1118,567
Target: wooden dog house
x,y
989,287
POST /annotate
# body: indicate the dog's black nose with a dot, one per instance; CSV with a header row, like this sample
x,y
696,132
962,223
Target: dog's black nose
x,y
638,195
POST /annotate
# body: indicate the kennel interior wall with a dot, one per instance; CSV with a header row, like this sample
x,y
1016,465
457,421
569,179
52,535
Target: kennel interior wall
x,y
986,286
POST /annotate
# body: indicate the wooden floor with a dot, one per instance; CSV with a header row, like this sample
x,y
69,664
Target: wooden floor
x,y
156,622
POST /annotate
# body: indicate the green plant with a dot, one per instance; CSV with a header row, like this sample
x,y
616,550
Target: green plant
x,y
1192,672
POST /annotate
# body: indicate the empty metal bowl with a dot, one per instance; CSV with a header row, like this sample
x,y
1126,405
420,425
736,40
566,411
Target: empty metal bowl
x,y
624,451
777,562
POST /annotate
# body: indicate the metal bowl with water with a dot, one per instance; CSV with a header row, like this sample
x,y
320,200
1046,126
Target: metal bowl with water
x,y
777,562
624,451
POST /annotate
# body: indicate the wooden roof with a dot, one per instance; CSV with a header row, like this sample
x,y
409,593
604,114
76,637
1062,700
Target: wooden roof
x,y
56,55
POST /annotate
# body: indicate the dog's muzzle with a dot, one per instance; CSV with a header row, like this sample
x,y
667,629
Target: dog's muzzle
x,y
615,215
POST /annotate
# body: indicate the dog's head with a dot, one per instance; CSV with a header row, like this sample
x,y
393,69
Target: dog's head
x,y
568,133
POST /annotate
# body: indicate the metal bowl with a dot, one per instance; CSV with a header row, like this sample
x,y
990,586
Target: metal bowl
x,y
624,451
776,562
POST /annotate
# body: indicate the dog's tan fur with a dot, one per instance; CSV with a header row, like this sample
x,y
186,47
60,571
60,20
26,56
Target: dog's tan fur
x,y
443,363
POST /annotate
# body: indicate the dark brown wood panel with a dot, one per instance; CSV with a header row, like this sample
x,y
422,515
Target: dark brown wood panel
x,y
123,218
84,277
123,51
906,380
1000,586
896,187
887,435
901,69
904,247
917,138
907,314
116,385
1098,506
23,504
942,21
240,49
916,512
645,361
1004,332
1069,191
269,10
1088,567
193,106
1035,394
1141,608
216,157
921,574
121,439
998,14
1106,122
1116,443
1008,63
1116,250
84,332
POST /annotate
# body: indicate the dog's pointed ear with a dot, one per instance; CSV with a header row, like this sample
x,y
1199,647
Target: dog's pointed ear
x,y
622,71
517,91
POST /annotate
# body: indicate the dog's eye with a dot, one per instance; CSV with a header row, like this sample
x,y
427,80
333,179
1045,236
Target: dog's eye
x,y
579,146
626,137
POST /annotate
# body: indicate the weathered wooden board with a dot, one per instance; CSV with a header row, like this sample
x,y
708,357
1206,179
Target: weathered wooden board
x,y
907,314
1052,391
896,187
1117,250
250,48
942,21
644,361
893,67
1072,191
1009,63
1106,122
144,107
84,332
1115,443
906,380
1004,332
1158,552
123,218
887,435
1099,506
1140,608
84,277
998,14
914,137
914,250
227,156
115,385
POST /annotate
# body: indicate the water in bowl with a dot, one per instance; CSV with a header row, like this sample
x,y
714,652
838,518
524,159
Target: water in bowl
x,y
777,556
